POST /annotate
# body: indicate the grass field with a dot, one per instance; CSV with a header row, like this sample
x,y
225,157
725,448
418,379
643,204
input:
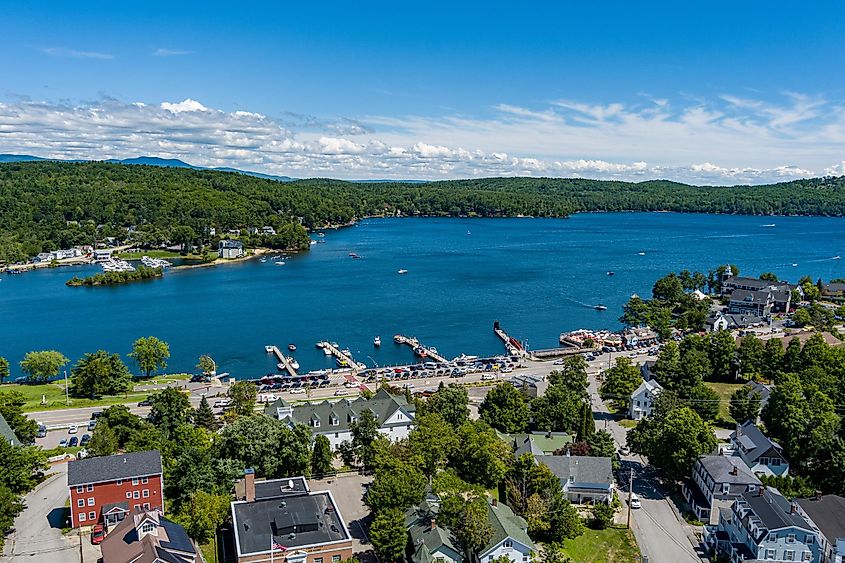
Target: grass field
x,y
724,390
616,545
53,395
157,254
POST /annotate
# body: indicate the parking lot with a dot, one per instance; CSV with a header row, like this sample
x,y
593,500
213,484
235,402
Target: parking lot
x,y
348,492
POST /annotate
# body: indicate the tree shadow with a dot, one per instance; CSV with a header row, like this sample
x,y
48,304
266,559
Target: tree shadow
x,y
59,517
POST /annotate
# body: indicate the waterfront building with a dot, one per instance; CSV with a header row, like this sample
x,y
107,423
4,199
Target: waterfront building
x,y
230,248
393,414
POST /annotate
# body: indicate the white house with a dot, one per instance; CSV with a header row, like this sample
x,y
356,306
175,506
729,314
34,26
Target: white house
x,y
642,399
230,249
395,416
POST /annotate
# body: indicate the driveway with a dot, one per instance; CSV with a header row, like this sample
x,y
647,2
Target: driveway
x,y
348,491
38,537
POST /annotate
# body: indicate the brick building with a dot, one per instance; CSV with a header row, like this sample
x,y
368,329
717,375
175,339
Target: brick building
x,y
107,489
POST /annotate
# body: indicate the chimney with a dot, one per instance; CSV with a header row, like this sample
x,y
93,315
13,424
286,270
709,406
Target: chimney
x,y
735,470
249,484
818,495
761,490
495,502
738,429
793,508
433,524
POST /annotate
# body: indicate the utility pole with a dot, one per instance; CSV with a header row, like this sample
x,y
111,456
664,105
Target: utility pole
x,y
630,495
67,390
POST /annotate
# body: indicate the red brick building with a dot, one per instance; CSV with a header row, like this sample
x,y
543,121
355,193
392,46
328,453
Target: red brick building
x,y
107,489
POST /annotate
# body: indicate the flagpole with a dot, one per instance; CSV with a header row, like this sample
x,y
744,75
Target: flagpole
x,y
271,547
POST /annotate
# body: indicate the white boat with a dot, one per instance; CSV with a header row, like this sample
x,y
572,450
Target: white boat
x,y
263,260
321,344
402,272
293,363
268,349
641,253
326,351
432,349
280,263
794,264
837,258
377,341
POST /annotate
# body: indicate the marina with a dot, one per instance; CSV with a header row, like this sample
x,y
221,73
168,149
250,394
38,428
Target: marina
x,y
285,363
420,350
512,345
342,356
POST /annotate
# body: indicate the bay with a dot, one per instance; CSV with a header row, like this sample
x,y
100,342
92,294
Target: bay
x,y
538,277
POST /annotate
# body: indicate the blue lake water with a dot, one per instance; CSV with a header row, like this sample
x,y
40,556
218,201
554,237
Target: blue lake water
x,y
536,276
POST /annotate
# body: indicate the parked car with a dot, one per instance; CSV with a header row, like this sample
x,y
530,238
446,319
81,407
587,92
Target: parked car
x,y
624,450
63,443
85,439
98,534
487,377
144,403
297,391
221,403
635,501
96,414
339,393
42,431
74,441
72,429
92,424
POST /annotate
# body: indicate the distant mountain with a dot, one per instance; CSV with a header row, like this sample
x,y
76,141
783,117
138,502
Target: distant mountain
x,y
148,161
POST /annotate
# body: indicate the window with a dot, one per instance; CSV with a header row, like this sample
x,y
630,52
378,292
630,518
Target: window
x,y
128,494
524,558
789,555
80,489
318,560
82,517
147,528
135,481
90,488
90,501
790,538
136,506
145,480
335,558
146,506
773,536
92,515
146,493
770,554
136,494
316,423
775,462
808,556
764,461
119,482
508,543
80,503
809,540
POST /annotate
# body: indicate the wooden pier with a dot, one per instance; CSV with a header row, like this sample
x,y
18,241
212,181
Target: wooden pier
x,y
512,345
344,360
555,352
414,343
283,360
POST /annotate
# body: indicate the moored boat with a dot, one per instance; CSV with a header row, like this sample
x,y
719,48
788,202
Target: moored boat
x,y
292,347
377,341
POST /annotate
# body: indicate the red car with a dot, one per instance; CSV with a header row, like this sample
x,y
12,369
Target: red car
x,y
97,534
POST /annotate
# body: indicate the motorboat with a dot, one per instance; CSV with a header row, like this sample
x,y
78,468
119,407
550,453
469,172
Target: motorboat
x,y
353,255
292,347
280,263
641,253
293,363
611,273
320,344
600,307
402,271
326,351
268,349
377,341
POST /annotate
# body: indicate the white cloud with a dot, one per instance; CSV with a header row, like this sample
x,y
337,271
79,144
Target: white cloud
x,y
161,52
64,52
724,141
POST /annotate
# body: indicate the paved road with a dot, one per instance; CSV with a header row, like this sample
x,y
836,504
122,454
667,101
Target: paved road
x,y
661,535
38,537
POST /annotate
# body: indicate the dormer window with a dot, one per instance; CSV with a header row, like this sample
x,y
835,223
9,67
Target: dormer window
x,y
315,422
333,420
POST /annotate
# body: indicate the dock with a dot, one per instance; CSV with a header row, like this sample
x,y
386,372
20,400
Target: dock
x,y
555,352
344,360
512,345
283,360
415,344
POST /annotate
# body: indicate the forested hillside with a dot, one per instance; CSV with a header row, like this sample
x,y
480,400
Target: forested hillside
x,y
49,205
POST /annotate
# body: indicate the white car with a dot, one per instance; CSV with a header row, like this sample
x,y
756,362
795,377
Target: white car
x,y
222,403
297,391
624,450
487,377
72,429
635,501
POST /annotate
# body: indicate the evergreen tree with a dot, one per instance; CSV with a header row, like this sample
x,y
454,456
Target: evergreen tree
x,y
321,456
204,415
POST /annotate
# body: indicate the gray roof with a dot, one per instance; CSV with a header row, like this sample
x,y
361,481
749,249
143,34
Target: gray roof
x,y
276,488
773,510
113,467
721,470
762,389
735,320
755,297
505,525
7,433
228,243
383,405
293,520
747,282
753,441
828,514
582,469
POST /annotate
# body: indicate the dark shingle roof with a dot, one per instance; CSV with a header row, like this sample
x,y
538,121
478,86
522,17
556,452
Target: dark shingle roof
x,y
828,513
721,469
582,469
753,441
113,467
746,296
773,510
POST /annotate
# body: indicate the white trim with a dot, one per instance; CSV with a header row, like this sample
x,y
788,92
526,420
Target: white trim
x,y
160,475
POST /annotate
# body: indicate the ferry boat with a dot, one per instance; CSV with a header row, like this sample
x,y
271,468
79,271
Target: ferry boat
x,y
402,271
377,341
292,347
600,307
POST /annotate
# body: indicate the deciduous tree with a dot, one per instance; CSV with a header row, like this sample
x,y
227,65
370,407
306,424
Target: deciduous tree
x,y
43,365
242,395
321,456
745,405
450,402
150,354
431,442
505,409
98,374
170,408
202,514
620,381
388,535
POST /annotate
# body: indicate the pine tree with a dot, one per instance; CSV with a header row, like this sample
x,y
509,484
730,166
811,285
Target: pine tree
x,y
204,416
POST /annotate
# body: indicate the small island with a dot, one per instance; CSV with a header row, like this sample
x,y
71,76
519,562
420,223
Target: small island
x,y
117,278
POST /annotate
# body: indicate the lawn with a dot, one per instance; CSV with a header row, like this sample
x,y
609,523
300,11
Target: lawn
x,y
725,390
53,395
157,254
615,545
627,423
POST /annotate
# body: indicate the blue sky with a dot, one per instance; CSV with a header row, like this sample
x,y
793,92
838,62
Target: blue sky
x,y
707,92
